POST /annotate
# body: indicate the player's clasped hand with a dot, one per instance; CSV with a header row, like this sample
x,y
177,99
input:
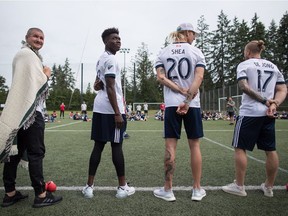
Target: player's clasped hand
x,y
271,108
182,109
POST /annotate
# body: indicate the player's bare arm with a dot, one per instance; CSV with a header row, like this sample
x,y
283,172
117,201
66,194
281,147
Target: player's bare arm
x,y
110,88
243,85
162,79
192,92
280,95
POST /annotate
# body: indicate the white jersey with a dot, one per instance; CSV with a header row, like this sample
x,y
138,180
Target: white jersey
x,y
138,107
108,66
180,61
262,76
84,107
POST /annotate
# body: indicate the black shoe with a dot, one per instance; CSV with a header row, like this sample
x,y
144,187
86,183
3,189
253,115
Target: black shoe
x,y
126,136
50,199
8,201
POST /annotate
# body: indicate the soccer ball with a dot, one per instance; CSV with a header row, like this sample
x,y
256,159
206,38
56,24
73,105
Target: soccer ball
x,y
50,186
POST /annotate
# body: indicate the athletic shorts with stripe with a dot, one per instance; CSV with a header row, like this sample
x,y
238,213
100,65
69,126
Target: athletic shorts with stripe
x,y
104,130
251,131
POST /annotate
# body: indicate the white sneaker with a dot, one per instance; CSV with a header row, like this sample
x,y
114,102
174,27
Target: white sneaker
x,y
88,191
233,188
268,191
165,195
125,191
198,194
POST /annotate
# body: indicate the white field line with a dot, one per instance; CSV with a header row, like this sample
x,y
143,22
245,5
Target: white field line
x,y
280,130
64,125
68,131
149,189
217,143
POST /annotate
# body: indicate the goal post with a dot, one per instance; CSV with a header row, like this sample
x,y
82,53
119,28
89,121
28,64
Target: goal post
x,y
222,102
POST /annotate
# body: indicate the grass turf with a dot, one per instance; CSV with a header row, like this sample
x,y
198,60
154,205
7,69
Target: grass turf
x,y
68,148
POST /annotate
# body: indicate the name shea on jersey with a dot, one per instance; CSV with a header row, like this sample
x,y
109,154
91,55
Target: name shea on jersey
x,y
177,51
264,64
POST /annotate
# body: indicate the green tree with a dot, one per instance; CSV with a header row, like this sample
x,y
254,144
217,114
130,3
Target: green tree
x,y
283,45
219,52
271,45
89,97
3,90
203,43
166,42
75,101
239,37
61,87
147,86
257,30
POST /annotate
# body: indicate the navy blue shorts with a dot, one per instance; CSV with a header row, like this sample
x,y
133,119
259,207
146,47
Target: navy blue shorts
x,y
104,130
251,131
231,114
192,123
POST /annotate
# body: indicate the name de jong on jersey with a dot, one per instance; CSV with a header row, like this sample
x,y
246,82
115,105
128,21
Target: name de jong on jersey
x,y
262,76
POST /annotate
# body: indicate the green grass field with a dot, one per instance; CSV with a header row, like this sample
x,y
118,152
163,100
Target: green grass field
x,y
68,148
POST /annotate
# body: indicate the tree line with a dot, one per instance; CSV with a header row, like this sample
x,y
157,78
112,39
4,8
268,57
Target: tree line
x,y
222,48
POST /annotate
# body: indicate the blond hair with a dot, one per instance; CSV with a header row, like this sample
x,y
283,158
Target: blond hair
x,y
255,46
178,36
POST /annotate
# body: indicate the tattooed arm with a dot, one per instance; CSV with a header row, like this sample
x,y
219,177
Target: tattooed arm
x,y
243,85
162,79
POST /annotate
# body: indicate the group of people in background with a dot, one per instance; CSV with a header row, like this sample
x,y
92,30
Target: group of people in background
x,y
180,69
75,116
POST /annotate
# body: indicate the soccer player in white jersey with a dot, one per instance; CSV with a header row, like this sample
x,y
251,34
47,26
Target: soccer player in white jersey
x,y
108,115
264,90
180,68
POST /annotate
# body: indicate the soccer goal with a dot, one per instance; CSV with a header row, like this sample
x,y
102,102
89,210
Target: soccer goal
x,y
223,101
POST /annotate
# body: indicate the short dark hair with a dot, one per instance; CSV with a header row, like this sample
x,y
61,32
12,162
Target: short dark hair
x,y
108,32
29,32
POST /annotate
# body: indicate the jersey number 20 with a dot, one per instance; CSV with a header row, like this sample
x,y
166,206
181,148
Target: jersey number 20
x,y
178,64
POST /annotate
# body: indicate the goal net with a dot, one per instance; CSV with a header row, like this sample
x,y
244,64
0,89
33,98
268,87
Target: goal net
x,y
223,101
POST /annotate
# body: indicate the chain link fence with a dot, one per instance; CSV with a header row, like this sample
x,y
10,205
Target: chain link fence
x,y
215,100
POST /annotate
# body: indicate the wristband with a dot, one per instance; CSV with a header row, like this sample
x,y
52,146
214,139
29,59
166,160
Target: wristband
x,y
186,101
